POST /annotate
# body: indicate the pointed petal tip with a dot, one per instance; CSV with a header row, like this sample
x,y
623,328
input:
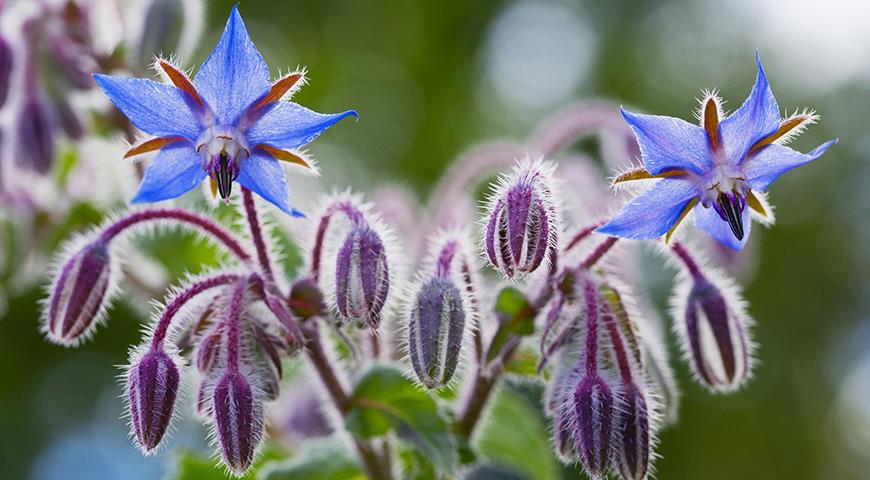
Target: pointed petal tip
x,y
297,214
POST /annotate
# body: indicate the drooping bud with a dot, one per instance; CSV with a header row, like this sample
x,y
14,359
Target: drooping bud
x,y
633,433
522,224
437,323
79,295
238,415
716,338
362,276
714,331
152,387
560,407
306,299
35,147
594,409
208,349
161,31
5,69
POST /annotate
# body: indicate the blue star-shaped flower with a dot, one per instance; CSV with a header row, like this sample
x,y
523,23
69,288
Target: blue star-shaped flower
x,y
228,124
719,166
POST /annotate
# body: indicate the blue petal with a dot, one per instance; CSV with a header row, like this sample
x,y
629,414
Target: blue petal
x,y
668,143
653,213
757,118
264,176
708,220
773,160
289,125
175,171
152,107
234,75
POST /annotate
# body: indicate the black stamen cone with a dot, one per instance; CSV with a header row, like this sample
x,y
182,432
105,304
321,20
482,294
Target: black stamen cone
x,y
733,214
224,176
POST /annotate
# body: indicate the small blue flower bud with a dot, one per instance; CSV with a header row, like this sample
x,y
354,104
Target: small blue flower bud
x,y
633,433
78,298
594,408
238,415
35,128
152,387
522,224
437,323
362,276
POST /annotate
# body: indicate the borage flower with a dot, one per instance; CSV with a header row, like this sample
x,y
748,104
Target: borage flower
x,y
721,166
228,124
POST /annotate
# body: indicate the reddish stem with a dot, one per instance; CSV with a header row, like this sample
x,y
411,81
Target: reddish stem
x,y
691,265
200,222
582,234
257,233
182,298
234,317
599,252
590,298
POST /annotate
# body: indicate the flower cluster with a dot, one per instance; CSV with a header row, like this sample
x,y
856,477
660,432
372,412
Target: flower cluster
x,y
566,294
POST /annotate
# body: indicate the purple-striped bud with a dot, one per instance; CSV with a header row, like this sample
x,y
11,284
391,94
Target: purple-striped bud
x,y
152,387
79,295
522,224
238,415
362,276
560,407
633,433
715,337
35,128
5,69
437,324
594,409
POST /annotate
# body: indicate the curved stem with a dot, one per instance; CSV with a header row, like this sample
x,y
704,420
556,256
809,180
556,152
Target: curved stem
x,y
691,264
182,298
257,233
375,468
582,234
198,222
344,206
599,252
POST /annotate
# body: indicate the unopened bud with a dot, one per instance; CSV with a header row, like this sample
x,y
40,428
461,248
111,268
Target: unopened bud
x,y
238,415
362,277
208,350
152,386
5,69
716,338
633,434
522,224
306,299
79,295
594,408
437,323
35,147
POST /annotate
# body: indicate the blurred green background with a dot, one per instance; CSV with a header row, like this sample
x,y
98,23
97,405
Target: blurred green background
x,y
431,79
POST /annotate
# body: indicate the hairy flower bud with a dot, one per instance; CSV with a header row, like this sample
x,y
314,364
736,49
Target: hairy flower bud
x,y
562,317
5,69
152,387
594,408
208,349
716,338
632,433
35,128
522,224
79,295
238,415
437,323
362,277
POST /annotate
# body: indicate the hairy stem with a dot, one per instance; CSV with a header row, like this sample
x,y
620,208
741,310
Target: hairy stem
x,y
691,264
182,298
234,317
599,252
376,469
257,233
198,222
582,234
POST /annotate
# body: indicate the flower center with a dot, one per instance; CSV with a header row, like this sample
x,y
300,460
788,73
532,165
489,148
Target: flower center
x,y
726,191
222,151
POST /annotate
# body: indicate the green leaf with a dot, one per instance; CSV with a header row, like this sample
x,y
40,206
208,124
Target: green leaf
x,y
323,459
516,316
385,400
514,435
